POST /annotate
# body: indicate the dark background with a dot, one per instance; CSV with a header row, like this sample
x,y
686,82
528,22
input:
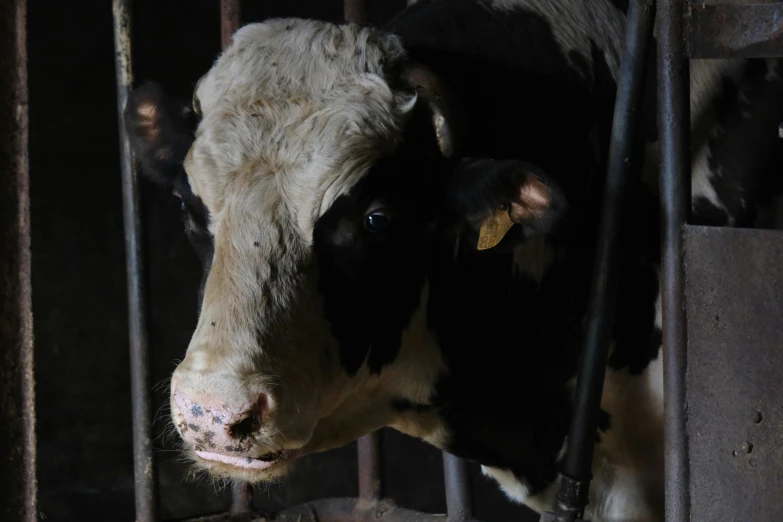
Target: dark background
x,y
83,399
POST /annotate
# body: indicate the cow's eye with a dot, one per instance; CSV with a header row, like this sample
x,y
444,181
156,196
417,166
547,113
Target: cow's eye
x,y
377,222
180,203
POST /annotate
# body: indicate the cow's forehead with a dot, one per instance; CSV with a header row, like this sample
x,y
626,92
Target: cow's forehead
x,y
295,112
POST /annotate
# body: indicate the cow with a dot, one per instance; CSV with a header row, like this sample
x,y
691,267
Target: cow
x,y
397,228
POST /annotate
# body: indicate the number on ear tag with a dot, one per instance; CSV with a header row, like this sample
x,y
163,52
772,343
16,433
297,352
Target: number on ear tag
x,y
494,229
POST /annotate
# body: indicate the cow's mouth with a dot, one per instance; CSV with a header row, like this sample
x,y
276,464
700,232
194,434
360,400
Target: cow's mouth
x,y
265,461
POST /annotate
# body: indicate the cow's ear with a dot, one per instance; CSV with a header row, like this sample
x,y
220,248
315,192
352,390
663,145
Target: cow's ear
x,y
492,196
160,130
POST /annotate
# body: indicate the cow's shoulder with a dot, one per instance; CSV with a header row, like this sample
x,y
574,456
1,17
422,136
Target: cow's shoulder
x,y
539,35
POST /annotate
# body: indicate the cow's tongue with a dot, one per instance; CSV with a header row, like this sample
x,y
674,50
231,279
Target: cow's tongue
x,y
263,462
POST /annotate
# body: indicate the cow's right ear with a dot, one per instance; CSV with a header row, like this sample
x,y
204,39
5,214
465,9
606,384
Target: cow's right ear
x,y
492,196
160,129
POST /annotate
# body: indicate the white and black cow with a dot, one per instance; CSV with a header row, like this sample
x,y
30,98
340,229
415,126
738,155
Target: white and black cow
x,y
336,186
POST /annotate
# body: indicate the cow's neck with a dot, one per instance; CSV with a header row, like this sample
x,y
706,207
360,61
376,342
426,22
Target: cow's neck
x,y
508,325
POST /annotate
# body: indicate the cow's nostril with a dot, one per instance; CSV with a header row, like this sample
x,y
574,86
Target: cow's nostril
x,y
221,427
246,427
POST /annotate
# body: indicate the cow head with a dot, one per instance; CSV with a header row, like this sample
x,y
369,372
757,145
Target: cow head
x,y
320,187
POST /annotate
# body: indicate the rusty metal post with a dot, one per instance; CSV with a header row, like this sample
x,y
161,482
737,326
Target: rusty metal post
x,y
675,185
241,497
355,11
144,465
18,487
230,19
370,482
457,481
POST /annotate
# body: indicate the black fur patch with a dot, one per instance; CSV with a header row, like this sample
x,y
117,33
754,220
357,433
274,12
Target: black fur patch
x,y
511,343
371,282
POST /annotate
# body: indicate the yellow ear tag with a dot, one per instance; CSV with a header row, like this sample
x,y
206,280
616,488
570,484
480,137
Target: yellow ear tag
x,y
494,229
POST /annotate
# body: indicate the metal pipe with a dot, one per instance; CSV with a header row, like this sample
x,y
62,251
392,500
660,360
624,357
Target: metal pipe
x,y
230,18
577,463
18,487
144,466
369,453
355,11
241,497
457,481
675,190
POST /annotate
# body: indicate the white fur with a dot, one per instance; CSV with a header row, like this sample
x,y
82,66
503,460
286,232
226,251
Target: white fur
x,y
518,491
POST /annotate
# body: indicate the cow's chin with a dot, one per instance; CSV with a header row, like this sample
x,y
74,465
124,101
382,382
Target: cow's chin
x,y
245,469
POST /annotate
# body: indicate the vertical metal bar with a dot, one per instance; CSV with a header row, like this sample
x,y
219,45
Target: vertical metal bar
x,y
577,463
144,466
457,481
370,482
368,447
18,487
675,189
241,497
230,18
355,11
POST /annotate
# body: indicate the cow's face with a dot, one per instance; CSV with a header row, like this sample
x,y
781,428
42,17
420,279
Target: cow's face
x,y
319,193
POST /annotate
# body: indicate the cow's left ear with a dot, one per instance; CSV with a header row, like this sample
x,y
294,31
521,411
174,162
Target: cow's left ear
x,y
160,130
494,195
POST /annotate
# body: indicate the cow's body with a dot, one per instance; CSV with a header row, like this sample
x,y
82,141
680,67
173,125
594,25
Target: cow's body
x,y
341,331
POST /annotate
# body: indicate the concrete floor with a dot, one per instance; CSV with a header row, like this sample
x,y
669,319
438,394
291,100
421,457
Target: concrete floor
x,y
83,400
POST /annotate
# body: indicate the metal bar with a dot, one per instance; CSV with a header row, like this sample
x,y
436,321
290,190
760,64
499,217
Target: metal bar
x,y
577,464
675,189
750,30
144,466
230,18
18,486
457,481
355,11
369,453
241,497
